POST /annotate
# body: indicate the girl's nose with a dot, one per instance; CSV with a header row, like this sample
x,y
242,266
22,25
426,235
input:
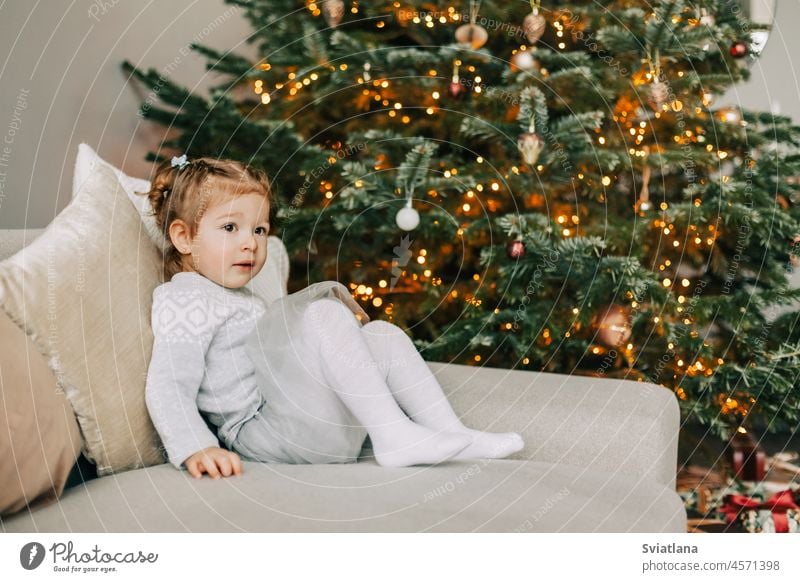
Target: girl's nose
x,y
249,242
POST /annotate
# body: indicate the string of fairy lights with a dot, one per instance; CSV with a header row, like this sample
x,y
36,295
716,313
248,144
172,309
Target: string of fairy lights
x,y
638,133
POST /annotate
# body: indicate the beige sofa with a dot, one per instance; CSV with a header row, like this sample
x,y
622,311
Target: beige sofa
x,y
600,456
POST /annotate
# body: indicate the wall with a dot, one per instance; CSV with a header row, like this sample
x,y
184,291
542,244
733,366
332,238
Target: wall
x,y
773,85
62,85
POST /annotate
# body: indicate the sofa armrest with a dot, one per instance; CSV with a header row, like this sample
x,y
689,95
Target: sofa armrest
x,y
615,426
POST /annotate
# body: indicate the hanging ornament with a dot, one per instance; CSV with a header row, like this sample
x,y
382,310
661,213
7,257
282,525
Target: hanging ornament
x,y
530,145
707,19
333,11
534,23
659,90
523,60
456,88
644,204
794,250
365,74
614,326
739,49
408,217
472,34
515,249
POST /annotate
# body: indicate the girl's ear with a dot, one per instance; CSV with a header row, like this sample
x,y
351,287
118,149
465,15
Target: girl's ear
x,y
181,236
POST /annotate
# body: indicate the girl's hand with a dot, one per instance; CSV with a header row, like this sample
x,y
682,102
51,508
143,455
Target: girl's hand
x,y
214,461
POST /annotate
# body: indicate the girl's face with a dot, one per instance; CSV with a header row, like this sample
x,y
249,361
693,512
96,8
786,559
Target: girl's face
x,y
230,246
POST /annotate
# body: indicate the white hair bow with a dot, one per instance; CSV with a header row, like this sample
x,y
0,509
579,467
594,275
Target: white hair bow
x,y
181,162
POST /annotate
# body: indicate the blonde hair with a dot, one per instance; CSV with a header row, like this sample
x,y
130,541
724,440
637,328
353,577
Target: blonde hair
x,y
186,193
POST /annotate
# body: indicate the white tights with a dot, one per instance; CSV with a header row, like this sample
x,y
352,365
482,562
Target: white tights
x,y
380,376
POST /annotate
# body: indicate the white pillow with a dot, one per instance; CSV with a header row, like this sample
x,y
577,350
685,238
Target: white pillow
x,y
85,166
269,284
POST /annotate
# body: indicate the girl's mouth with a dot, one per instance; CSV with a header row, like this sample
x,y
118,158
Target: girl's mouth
x,y
244,265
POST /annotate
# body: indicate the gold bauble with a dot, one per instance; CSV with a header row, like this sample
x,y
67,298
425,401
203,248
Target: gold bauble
x,y
472,34
614,326
530,145
534,25
659,92
333,11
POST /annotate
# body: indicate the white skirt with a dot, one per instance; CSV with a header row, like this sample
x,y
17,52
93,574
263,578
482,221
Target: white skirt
x,y
302,420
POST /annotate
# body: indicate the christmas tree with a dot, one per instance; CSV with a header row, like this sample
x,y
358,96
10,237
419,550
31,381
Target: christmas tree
x,y
523,185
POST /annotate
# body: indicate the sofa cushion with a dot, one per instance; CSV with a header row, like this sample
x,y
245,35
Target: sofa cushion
x,y
601,424
83,291
458,496
39,437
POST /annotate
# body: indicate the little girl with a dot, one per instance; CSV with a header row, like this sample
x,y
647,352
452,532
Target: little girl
x,y
302,380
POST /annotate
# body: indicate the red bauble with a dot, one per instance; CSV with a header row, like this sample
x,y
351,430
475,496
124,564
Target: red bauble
x,y
739,50
515,249
456,89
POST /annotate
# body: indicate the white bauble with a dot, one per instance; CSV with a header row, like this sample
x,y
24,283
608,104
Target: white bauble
x,y
407,218
523,61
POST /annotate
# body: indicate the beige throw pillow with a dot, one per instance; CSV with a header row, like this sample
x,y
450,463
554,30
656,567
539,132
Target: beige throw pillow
x,y
83,291
39,438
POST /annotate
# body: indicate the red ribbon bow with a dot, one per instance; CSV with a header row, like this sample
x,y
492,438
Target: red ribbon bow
x,y
778,504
